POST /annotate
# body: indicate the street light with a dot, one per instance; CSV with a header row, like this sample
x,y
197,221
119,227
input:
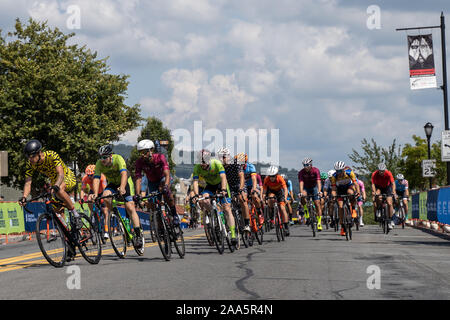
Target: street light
x,y
428,132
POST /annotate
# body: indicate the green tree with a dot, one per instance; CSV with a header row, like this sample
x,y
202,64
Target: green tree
x,y
411,165
372,154
153,130
60,94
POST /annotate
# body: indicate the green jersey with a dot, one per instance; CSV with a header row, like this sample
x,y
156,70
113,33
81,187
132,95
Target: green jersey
x,y
212,175
113,172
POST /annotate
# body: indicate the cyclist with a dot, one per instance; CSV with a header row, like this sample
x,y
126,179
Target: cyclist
x,y
236,182
327,195
87,187
323,178
343,182
213,172
290,196
61,177
253,185
156,169
274,186
311,184
114,168
361,200
383,183
402,190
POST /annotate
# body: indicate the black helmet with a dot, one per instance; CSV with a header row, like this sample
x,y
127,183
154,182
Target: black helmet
x,y
105,150
32,147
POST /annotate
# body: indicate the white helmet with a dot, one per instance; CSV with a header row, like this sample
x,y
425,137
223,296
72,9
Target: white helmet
x,y
145,145
400,176
223,151
307,162
339,165
273,170
382,167
331,172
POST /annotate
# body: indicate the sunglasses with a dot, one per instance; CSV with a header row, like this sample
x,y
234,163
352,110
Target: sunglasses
x,y
104,157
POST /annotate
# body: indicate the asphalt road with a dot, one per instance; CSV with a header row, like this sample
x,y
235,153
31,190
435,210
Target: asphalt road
x,y
405,264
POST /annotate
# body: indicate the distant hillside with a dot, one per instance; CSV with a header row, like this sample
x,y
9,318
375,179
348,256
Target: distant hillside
x,y
123,149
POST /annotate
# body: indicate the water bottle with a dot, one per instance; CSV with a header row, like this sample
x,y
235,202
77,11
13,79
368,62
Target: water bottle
x,y
127,224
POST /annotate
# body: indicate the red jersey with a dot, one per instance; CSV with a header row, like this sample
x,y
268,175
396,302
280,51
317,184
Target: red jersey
x,y
277,185
383,181
86,181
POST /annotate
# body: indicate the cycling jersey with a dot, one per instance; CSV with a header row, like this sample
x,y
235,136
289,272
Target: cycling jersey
x,y
289,187
87,181
401,186
361,185
212,174
382,181
153,169
309,178
327,185
113,172
48,167
232,171
249,171
276,185
345,179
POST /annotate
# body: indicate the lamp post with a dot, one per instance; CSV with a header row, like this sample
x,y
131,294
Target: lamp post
x,y
428,132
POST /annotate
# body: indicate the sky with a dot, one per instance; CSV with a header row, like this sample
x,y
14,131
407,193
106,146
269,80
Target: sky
x,y
321,75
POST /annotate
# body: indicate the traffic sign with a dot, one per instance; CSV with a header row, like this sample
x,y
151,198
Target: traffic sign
x,y
428,168
445,146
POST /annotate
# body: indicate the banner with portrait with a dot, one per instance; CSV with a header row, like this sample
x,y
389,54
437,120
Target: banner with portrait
x,y
422,73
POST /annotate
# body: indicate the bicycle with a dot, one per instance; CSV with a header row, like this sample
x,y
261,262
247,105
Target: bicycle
x,y
347,222
312,212
194,211
120,233
276,221
256,227
325,215
166,233
62,238
97,219
383,213
219,228
401,213
238,220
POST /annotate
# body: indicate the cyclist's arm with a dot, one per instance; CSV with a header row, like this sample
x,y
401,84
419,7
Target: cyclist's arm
x,y
123,180
60,179
301,184
223,176
254,181
95,186
167,176
138,185
27,187
195,186
241,180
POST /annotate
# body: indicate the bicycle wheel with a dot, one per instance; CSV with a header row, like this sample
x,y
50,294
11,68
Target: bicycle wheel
x,y
152,231
347,222
51,240
162,235
218,236
117,234
325,216
402,216
89,241
336,218
313,220
178,241
240,226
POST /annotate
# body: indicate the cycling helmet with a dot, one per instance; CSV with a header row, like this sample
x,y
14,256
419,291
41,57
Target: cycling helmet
x,y
90,169
381,166
223,152
241,158
145,145
203,156
400,176
105,150
307,162
339,165
32,147
323,176
330,173
273,170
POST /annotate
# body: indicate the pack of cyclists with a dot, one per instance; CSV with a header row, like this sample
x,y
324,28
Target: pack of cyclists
x,y
225,175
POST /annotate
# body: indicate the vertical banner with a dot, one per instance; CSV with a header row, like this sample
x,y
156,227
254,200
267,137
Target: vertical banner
x,y
432,199
443,204
422,73
414,206
423,205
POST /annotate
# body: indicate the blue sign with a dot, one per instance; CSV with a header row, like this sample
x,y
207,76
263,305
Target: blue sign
x,y
415,206
443,205
432,199
144,217
30,218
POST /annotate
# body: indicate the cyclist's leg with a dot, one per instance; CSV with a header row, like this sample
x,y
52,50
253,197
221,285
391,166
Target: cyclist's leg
x,y
243,201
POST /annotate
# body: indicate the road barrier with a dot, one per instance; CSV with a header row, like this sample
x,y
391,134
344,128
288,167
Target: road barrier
x,y
431,209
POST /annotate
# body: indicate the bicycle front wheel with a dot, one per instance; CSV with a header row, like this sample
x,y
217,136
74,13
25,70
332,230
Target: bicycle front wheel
x,y
89,241
117,234
218,236
51,240
178,241
162,235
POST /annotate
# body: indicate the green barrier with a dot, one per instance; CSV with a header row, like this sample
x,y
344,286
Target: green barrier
x,y
423,205
11,218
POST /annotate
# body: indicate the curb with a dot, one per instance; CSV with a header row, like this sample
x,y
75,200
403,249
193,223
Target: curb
x,y
434,226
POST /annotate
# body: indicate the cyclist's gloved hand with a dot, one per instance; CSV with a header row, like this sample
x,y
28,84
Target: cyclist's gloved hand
x,y
137,198
22,201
